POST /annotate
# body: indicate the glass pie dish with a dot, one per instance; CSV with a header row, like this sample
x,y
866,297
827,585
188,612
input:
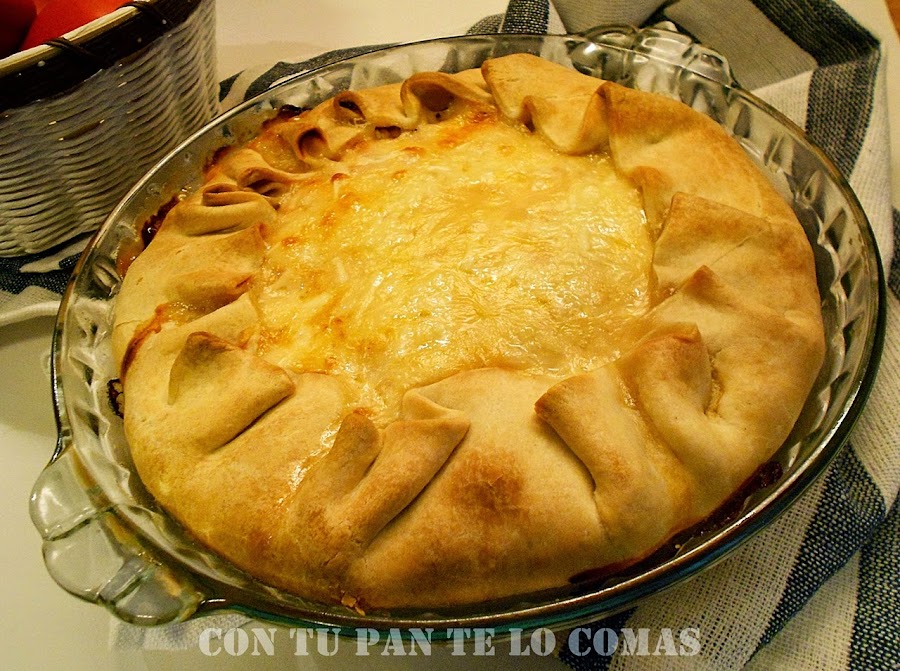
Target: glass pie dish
x,y
107,541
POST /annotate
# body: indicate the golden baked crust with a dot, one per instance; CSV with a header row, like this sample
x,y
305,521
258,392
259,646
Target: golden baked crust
x,y
486,476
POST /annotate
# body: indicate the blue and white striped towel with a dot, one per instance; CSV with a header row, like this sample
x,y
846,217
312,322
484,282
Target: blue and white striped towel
x,y
820,587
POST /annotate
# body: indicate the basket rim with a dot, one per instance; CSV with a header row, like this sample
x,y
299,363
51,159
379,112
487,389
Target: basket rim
x,y
60,65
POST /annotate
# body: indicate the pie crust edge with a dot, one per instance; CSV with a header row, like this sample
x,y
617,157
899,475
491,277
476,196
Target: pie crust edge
x,y
437,508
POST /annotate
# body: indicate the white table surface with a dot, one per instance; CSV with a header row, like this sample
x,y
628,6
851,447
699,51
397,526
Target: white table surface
x,y
41,626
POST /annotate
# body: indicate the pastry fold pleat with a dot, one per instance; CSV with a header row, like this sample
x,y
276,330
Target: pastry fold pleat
x,y
186,277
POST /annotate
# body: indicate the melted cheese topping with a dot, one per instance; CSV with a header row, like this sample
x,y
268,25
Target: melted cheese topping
x,y
467,243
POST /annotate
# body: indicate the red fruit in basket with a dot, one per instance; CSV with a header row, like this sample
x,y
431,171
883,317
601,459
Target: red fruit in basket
x,y
15,18
59,17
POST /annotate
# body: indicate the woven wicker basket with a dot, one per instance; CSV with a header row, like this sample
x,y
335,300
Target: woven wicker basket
x,y
83,117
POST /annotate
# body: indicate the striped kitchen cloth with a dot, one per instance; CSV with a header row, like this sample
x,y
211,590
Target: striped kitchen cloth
x,y
820,587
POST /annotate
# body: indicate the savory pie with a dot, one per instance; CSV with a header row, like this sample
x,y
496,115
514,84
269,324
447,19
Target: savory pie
x,y
465,337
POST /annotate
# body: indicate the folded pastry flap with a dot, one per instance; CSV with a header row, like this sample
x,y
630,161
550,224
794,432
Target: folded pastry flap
x,y
721,379
511,508
247,166
381,106
228,211
217,389
412,451
318,138
192,389
640,491
313,541
210,393
674,364
242,174
199,273
152,351
435,96
516,78
575,125
296,426
381,111
149,415
725,314
255,476
768,261
370,475
690,151
657,190
227,192
353,490
355,447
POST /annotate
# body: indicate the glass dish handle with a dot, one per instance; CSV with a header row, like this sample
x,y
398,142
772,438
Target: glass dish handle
x,y
618,52
91,554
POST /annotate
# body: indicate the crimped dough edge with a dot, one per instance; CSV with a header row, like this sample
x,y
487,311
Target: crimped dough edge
x,y
491,482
